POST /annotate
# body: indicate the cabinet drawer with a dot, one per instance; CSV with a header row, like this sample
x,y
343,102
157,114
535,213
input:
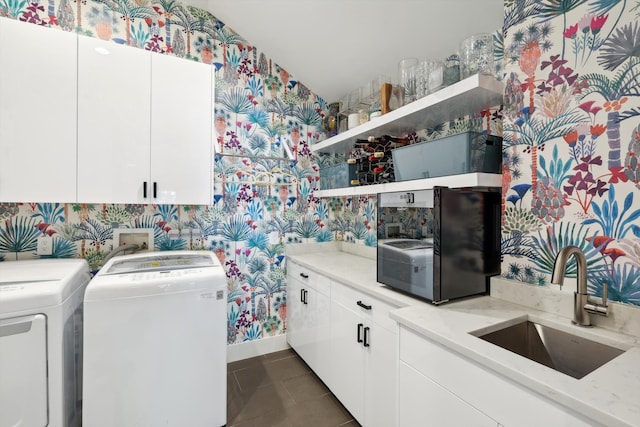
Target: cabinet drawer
x,y
470,382
310,278
420,399
359,301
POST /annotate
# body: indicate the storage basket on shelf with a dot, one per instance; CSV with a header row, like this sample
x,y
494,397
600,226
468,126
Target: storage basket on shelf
x,y
466,152
337,176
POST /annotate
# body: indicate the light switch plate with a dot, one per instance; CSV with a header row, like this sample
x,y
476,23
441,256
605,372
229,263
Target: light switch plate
x,y
45,245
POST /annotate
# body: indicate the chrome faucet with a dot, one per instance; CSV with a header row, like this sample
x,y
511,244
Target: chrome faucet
x,y
582,305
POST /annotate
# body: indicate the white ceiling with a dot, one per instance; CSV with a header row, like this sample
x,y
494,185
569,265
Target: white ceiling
x,y
335,46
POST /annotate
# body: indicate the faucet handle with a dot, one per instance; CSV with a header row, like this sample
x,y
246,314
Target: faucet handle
x,y
596,308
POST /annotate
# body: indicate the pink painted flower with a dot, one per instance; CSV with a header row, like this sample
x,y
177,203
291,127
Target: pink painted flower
x,y
597,22
585,23
571,32
586,106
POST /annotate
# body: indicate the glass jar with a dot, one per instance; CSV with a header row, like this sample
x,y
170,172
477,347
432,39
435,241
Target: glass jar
x,y
476,55
407,71
451,69
436,76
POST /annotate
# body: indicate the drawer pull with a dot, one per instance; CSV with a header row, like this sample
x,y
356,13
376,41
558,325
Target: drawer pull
x,y
363,305
360,325
304,275
366,336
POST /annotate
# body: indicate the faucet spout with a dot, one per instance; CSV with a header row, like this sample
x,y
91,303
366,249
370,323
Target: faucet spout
x,y
582,304
560,265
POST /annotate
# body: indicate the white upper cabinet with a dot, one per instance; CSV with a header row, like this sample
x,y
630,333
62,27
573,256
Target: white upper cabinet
x,y
37,113
114,120
144,126
181,129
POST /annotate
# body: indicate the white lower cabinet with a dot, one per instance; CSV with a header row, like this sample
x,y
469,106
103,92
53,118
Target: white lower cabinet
x,y
348,340
424,402
308,317
457,382
363,356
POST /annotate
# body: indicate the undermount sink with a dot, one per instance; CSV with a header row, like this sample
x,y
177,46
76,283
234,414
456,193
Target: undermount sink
x,y
562,351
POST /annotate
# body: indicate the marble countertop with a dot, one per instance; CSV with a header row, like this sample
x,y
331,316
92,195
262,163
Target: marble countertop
x,y
608,395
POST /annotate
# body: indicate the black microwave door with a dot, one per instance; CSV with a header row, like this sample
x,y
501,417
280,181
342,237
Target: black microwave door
x,y
466,241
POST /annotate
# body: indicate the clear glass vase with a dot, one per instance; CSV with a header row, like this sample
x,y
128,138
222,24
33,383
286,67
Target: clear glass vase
x,y
476,55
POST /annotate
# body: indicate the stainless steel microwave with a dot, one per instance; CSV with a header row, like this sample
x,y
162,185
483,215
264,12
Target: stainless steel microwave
x,y
439,244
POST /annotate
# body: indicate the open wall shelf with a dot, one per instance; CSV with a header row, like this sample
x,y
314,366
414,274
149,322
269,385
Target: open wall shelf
x,y
467,96
453,181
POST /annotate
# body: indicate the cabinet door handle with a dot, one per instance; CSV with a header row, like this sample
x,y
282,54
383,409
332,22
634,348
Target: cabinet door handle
x,y
302,295
305,296
155,190
366,337
363,305
144,189
360,325
304,275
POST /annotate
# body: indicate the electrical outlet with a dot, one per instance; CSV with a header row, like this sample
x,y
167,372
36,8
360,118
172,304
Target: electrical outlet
x,y
45,245
142,237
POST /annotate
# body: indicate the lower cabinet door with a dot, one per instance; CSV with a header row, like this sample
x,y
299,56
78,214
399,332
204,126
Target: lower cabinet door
x,y
295,324
422,402
380,376
347,381
318,306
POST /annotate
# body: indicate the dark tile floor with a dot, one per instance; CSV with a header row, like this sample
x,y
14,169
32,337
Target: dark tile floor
x,y
279,390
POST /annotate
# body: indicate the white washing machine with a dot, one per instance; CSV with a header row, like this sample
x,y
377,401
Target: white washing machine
x,y
41,342
155,349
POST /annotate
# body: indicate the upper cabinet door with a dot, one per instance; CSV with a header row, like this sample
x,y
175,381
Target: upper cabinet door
x,y
181,129
37,113
114,118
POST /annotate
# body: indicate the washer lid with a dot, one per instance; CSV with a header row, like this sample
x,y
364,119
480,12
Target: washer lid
x,y
31,284
158,273
159,261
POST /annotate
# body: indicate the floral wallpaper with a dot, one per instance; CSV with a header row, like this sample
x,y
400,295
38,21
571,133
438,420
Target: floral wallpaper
x,y
570,172
264,120
571,141
265,174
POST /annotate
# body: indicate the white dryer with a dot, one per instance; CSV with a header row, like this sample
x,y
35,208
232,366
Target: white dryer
x,y
40,342
155,342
